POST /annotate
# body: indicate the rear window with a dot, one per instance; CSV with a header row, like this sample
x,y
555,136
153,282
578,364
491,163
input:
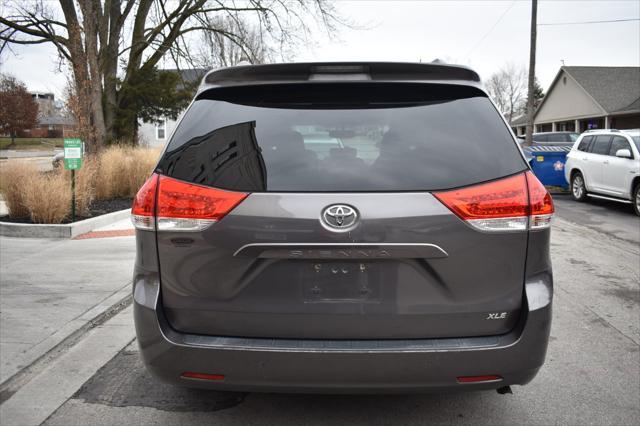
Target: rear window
x,y
326,138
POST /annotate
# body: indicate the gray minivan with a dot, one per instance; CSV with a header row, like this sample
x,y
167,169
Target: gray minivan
x,y
412,255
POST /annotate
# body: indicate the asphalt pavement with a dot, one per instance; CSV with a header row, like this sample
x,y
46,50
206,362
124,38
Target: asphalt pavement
x,y
609,217
591,375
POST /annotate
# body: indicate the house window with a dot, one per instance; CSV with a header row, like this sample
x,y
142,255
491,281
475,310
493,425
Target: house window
x,y
161,129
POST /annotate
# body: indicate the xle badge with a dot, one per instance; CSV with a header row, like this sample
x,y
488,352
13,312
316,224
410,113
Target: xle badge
x,y
497,315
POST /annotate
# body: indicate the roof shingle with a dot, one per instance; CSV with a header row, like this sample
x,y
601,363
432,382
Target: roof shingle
x,y
614,88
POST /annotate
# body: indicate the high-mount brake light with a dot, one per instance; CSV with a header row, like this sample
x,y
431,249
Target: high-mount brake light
x,y
515,203
181,206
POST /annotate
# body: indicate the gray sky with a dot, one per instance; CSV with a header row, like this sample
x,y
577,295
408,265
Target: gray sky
x,y
483,35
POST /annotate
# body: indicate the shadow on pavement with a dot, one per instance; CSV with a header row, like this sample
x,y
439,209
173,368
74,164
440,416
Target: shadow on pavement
x,y
124,382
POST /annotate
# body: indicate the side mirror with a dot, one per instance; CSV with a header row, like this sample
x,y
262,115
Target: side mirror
x,y
623,153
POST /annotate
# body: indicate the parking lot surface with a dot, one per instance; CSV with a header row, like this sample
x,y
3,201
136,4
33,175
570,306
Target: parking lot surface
x,y
609,217
591,375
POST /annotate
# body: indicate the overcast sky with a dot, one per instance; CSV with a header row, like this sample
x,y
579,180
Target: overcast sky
x,y
482,35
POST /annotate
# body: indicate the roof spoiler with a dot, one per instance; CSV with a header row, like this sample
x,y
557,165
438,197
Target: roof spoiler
x,y
337,72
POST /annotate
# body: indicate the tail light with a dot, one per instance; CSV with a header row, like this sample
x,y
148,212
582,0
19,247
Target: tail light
x,y
540,203
515,203
168,204
143,211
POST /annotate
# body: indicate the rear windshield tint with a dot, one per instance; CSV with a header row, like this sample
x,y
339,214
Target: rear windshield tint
x,y
326,138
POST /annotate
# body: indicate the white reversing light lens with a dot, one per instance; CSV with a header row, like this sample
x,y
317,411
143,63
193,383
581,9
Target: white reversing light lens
x,y
143,222
540,221
180,224
500,224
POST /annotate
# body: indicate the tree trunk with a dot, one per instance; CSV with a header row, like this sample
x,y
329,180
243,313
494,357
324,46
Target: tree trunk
x,y
532,75
91,30
110,67
110,104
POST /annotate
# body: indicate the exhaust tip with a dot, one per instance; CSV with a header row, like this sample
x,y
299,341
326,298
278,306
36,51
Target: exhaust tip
x,y
504,390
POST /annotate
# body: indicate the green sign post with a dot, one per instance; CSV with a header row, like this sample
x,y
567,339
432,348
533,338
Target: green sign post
x,y
73,161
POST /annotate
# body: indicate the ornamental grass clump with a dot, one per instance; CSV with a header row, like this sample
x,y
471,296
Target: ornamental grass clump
x,y
122,171
47,197
13,174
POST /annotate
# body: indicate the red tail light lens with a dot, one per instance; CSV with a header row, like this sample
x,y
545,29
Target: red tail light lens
x,y
144,204
502,205
182,206
540,202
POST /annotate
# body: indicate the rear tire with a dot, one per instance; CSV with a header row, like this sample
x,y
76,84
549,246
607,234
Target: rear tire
x,y
635,199
578,188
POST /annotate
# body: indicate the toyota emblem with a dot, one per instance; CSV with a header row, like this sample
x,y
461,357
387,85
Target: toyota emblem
x,y
339,216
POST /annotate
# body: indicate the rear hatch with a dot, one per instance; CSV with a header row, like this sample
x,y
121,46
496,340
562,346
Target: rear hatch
x,y
338,211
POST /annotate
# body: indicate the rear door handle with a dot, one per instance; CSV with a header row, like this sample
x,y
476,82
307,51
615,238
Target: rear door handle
x,y
605,162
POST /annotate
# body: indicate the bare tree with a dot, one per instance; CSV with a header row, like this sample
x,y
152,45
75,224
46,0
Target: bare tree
x,y
508,89
248,45
98,36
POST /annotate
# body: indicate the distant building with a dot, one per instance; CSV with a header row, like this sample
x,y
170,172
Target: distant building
x,y
53,120
157,132
583,98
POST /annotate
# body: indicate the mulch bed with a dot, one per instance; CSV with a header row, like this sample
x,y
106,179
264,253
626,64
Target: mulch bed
x,y
97,208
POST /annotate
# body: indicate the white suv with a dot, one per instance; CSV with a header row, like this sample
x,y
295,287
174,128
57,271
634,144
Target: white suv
x,y
606,164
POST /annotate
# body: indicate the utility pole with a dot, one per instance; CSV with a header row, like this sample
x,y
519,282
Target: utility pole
x,y
532,74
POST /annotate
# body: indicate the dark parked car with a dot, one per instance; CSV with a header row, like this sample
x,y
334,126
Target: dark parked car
x,y
555,138
414,255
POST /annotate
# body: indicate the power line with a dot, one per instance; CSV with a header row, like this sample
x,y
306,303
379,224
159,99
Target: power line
x,y
491,29
590,22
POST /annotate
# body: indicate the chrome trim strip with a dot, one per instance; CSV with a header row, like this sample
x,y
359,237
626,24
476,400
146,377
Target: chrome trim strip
x,y
342,246
603,197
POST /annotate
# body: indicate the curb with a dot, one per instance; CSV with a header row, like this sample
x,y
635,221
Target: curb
x,y
50,388
69,230
42,354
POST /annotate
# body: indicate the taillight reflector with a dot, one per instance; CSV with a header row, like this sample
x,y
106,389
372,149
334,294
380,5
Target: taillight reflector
x,y
514,203
476,379
201,376
181,206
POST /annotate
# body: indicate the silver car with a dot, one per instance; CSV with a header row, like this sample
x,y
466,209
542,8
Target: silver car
x,y
412,256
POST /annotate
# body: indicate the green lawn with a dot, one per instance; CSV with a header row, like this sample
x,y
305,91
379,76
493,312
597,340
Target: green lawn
x,y
31,143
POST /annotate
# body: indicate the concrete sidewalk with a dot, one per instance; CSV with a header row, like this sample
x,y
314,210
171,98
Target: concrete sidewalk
x,y
51,288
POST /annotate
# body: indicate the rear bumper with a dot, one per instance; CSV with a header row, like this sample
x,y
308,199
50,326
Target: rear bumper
x,y
339,366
